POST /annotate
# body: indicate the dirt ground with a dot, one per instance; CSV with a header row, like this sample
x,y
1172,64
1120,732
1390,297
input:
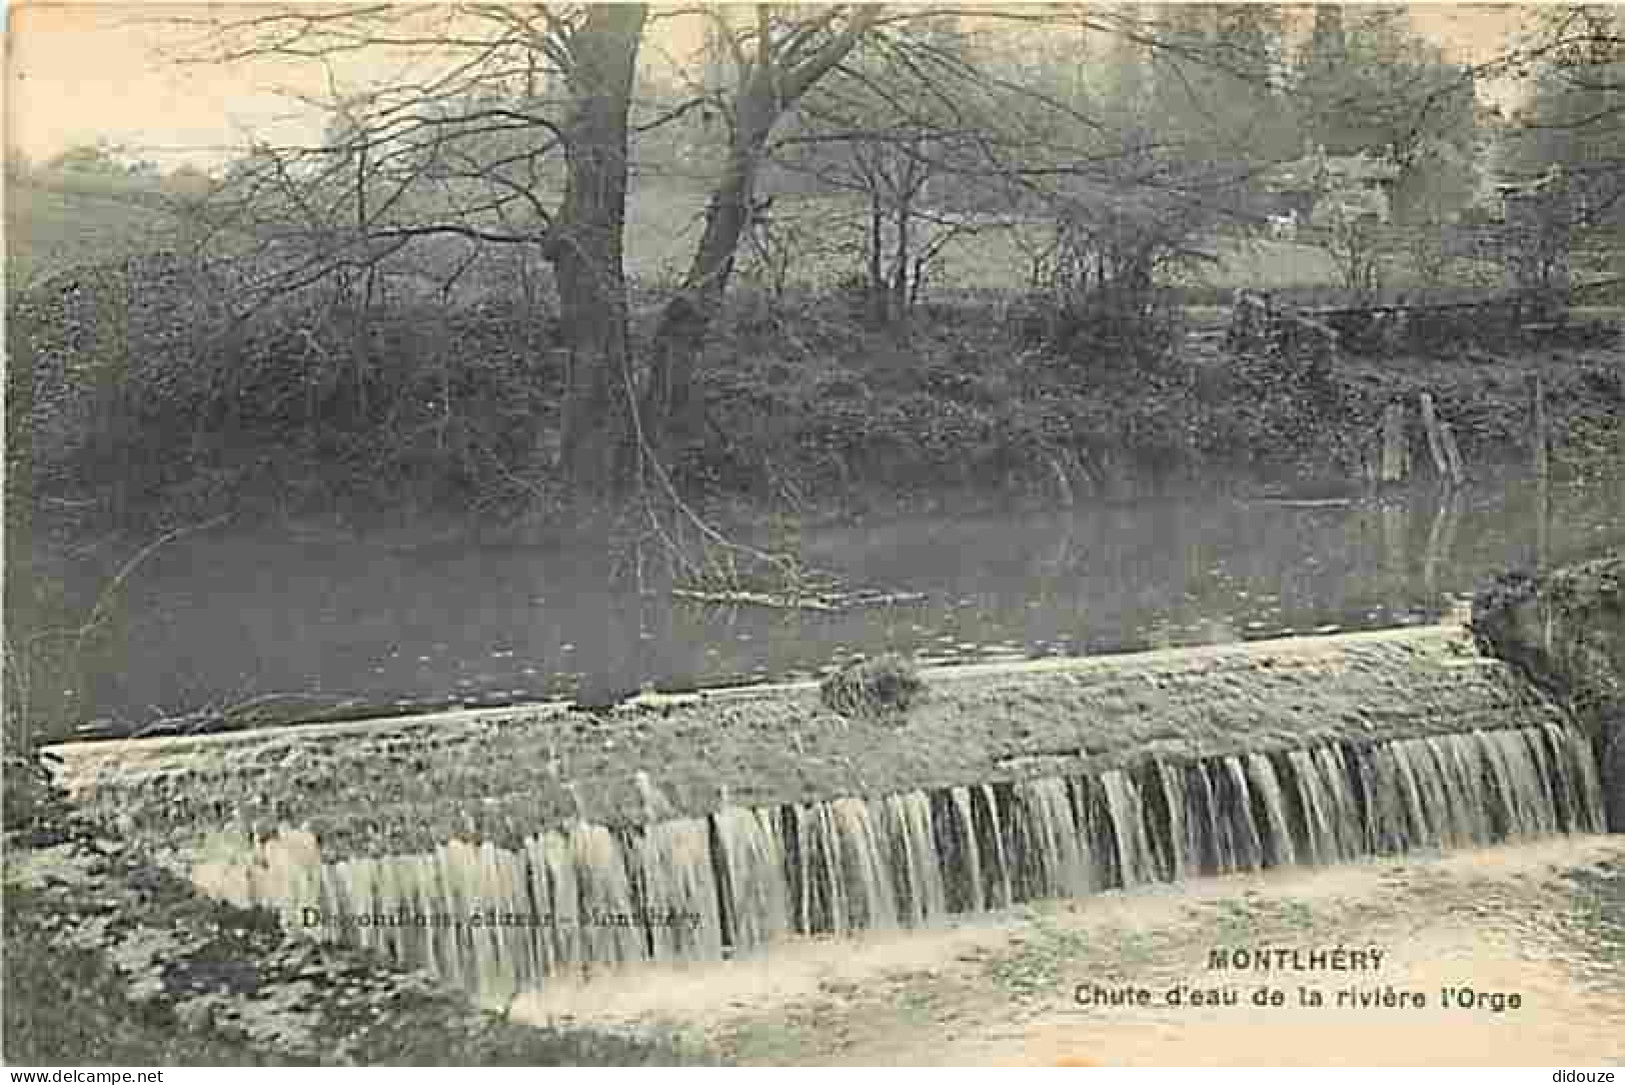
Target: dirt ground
x,y
1001,991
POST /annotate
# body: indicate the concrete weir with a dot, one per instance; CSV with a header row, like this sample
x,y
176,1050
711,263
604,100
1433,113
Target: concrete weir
x,y
501,847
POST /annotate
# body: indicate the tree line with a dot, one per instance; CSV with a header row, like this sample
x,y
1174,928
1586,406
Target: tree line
x,y
1116,140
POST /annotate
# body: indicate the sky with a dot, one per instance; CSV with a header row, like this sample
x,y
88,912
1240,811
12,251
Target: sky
x,y
79,72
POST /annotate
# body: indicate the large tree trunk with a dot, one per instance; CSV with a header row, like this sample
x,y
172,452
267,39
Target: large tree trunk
x,y
671,411
875,302
586,249
904,258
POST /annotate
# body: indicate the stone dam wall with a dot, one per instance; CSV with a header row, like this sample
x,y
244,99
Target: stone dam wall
x,y
498,849
503,775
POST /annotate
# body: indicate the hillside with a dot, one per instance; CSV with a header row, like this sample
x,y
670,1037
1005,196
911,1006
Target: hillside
x,y
59,222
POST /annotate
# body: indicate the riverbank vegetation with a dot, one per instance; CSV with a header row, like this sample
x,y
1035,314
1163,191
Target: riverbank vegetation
x,y
925,262
452,409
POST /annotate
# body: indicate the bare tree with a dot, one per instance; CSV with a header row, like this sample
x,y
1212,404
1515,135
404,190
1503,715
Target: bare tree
x,y
516,127
1571,134
886,145
586,243
427,144
776,62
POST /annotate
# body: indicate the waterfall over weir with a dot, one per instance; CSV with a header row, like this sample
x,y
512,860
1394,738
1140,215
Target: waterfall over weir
x,y
589,897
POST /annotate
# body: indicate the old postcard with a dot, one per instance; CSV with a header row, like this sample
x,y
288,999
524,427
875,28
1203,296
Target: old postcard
x,y
815,534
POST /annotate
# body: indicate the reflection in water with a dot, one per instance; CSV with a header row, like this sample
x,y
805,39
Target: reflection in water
x,y
1441,540
217,619
1543,523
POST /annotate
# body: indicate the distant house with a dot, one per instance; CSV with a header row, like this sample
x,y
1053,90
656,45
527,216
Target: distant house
x,y
1519,197
1318,184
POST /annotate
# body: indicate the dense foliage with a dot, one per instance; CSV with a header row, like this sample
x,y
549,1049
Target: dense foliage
x,y
389,322
417,406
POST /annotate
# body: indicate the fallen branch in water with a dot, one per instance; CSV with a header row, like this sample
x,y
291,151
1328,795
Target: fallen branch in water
x,y
19,661
256,711
1306,502
98,613
827,604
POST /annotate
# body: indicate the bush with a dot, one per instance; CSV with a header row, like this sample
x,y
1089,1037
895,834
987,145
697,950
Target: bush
x,y
143,383
887,685
34,805
1098,285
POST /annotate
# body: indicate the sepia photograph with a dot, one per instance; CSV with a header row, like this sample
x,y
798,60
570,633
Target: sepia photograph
x,y
813,535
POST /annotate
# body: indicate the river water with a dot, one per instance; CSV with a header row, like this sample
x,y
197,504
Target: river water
x,y
298,626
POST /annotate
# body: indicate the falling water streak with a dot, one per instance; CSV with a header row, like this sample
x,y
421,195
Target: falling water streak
x,y
1504,795
1003,894
1135,864
1458,768
554,886
1351,824
1555,776
508,887
1420,824
450,861
1579,780
1247,853
1266,787
916,858
1544,770
488,890
1390,805
606,897
867,863
756,904
1524,774
591,897
1052,853
680,898
824,898
292,873
428,895
1203,839
1319,841
1181,854
1444,793
962,835
385,877
1541,769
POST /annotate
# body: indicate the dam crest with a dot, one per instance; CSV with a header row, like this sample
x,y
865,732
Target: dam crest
x,y
1109,774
